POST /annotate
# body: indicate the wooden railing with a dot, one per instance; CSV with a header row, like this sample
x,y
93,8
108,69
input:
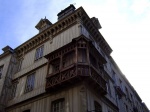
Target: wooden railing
x,y
74,73
60,77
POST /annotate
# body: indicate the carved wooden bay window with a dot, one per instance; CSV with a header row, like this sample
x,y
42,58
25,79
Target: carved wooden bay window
x,y
55,65
75,62
68,59
82,55
93,61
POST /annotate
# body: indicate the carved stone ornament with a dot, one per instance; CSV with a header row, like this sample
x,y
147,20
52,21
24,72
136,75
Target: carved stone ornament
x,y
50,39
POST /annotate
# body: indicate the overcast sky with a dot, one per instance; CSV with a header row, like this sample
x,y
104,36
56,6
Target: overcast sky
x,y
125,26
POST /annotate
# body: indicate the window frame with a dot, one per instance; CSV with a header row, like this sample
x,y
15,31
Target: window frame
x,y
108,88
59,102
28,110
13,90
19,64
30,82
1,70
97,106
68,59
82,55
39,52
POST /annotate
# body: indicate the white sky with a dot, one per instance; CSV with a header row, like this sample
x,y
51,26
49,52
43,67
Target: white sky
x,y
125,26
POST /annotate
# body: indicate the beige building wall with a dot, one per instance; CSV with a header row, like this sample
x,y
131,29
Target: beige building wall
x,y
43,104
39,67
77,99
5,61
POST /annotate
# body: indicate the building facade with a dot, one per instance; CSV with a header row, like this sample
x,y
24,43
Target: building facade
x,y
66,67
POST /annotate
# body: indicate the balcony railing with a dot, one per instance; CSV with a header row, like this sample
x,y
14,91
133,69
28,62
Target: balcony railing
x,y
76,73
58,78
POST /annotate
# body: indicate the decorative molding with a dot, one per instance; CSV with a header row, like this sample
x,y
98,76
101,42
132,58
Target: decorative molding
x,y
78,16
50,39
52,31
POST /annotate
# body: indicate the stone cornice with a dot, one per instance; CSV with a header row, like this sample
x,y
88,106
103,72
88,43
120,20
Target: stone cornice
x,y
3,55
89,25
49,33
78,16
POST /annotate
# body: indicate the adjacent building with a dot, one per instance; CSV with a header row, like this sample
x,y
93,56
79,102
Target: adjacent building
x,y
66,67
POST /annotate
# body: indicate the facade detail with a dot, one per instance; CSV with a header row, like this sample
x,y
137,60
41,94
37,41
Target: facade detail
x,y
66,67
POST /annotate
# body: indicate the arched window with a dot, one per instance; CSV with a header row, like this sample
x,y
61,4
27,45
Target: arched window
x,y
98,107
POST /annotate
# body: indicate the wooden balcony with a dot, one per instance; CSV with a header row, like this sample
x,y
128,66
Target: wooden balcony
x,y
76,62
74,74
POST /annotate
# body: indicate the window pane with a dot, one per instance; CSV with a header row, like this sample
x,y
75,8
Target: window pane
x,y
68,59
82,56
27,110
13,90
98,107
58,106
39,52
19,65
93,61
30,83
1,68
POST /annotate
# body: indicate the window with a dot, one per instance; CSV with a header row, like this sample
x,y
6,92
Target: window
x,y
1,69
19,65
39,53
58,105
98,107
121,86
101,67
93,61
56,65
127,93
27,110
30,83
131,97
126,107
108,88
114,76
13,90
68,59
82,56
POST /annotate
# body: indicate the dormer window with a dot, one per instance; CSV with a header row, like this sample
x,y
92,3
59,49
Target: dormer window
x,y
43,24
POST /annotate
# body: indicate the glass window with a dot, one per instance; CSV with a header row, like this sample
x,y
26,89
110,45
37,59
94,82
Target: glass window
x,y
19,65
13,90
39,53
1,69
108,88
82,56
27,110
58,105
68,59
114,76
56,65
98,107
30,83
93,61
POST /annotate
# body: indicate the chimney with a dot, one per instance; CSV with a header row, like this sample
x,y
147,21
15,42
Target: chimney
x,y
66,12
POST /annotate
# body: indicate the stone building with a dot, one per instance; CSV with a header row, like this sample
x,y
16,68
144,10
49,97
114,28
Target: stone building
x,y
66,67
